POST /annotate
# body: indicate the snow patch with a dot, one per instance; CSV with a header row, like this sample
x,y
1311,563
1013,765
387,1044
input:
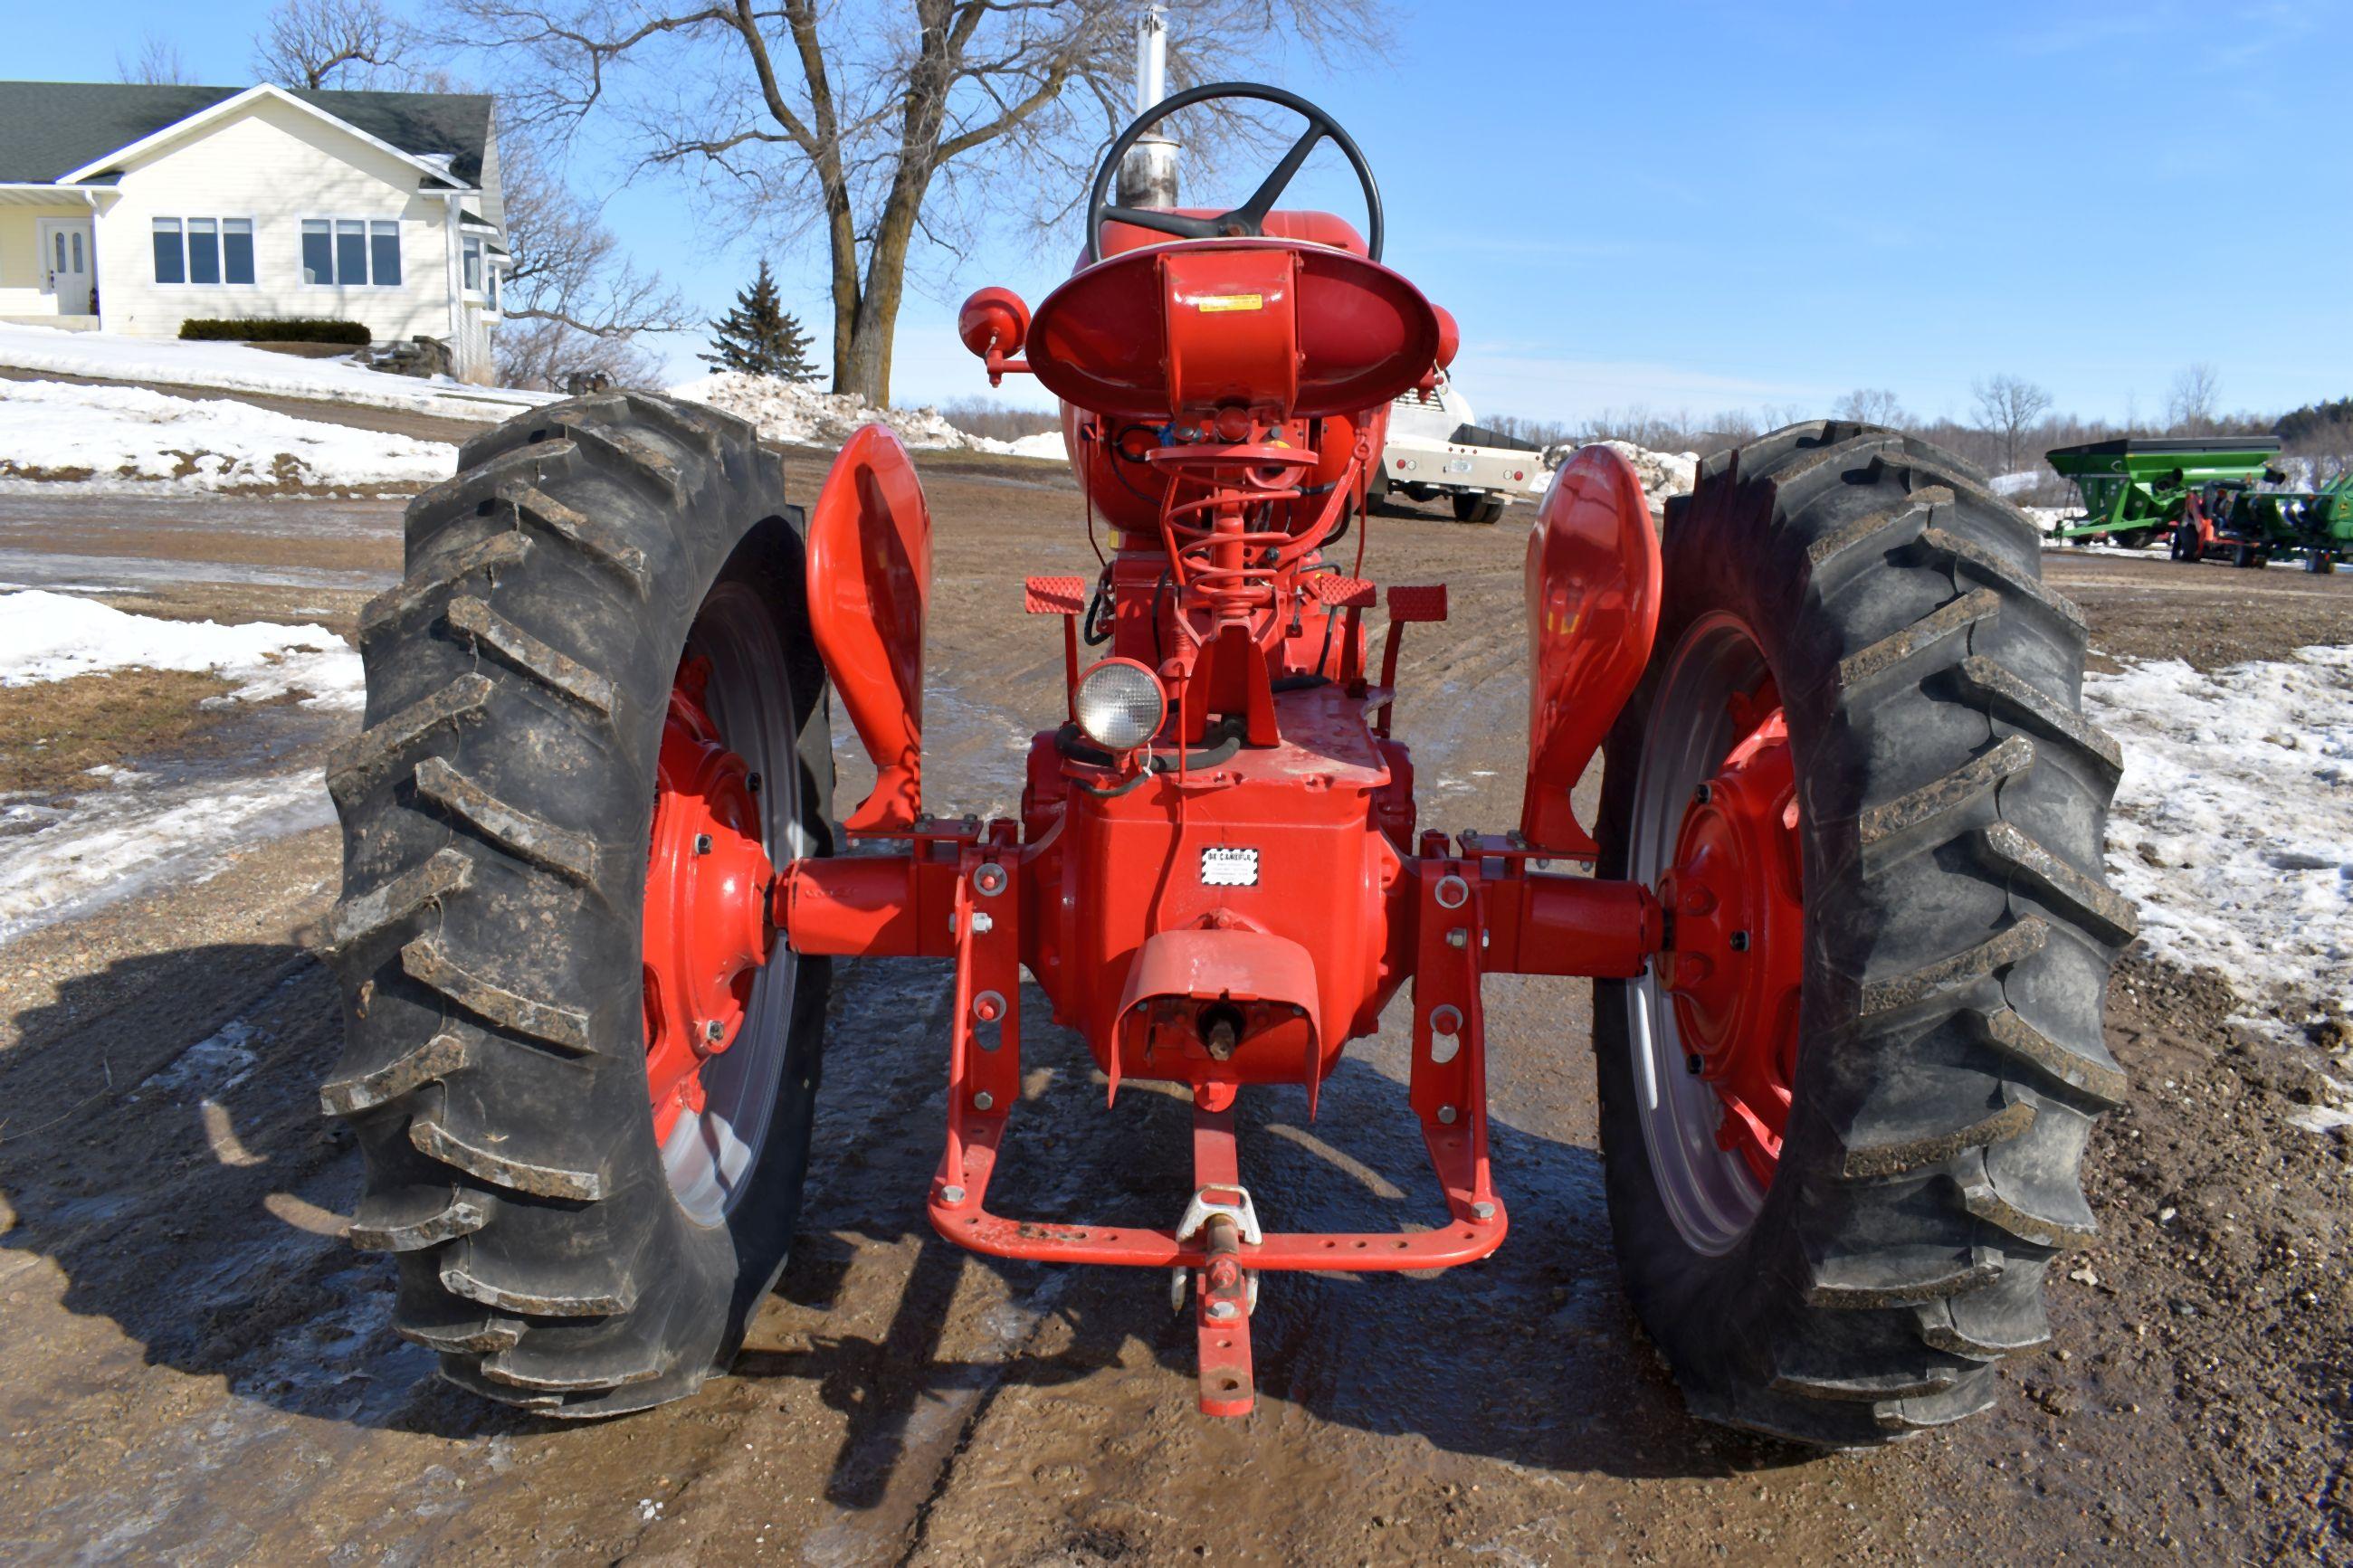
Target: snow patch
x,y
59,864
55,636
2232,829
799,415
129,438
234,367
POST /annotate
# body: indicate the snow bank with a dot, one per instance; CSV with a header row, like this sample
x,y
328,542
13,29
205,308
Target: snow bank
x,y
1664,474
2232,829
799,415
129,438
234,367
53,636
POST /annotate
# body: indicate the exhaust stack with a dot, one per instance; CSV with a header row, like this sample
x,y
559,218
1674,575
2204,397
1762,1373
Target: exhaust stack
x,y
1147,176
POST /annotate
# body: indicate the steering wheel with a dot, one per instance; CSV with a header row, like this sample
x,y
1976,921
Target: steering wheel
x,y
1250,219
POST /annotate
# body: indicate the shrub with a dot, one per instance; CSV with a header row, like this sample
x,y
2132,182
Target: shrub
x,y
275,330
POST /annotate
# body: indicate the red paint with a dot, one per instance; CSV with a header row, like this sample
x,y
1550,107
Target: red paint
x,y
1170,332
869,584
706,925
1226,908
1737,895
1593,612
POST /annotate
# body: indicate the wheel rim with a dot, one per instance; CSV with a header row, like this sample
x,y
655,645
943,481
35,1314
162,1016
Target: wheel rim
x,y
1713,1027
717,993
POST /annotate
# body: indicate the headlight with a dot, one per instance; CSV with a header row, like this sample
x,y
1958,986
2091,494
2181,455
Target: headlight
x,y
1121,704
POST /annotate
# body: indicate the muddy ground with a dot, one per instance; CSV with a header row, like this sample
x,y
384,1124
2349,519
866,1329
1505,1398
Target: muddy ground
x,y
193,1368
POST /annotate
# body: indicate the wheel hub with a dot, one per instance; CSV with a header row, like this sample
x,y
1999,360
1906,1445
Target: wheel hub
x,y
706,924
1736,893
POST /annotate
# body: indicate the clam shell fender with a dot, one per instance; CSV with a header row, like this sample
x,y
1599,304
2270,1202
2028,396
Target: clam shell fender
x,y
869,585
1593,585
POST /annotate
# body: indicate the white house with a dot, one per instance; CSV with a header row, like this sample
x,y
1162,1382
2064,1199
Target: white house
x,y
132,208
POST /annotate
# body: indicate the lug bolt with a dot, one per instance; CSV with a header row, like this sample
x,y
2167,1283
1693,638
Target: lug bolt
x,y
1704,795
1739,940
1446,1113
703,843
713,1030
983,1100
951,1196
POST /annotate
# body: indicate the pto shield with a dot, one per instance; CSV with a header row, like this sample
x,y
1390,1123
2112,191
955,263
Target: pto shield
x,y
870,582
1593,611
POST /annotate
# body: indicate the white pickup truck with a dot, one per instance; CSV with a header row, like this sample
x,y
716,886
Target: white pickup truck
x,y
1435,448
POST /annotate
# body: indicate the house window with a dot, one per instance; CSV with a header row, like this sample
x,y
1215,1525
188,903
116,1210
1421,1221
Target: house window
x,y
171,264
351,252
473,254
203,250
496,273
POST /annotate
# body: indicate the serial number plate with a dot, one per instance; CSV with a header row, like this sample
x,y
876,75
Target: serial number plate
x,y
1224,866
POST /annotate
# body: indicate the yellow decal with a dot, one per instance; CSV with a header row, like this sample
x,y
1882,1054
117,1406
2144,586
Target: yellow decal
x,y
1212,304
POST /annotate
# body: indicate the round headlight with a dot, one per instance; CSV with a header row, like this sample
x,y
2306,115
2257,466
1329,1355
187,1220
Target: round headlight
x,y
1121,704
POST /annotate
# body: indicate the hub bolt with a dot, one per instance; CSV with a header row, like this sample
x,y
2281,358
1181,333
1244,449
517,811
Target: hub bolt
x,y
1739,940
1446,1113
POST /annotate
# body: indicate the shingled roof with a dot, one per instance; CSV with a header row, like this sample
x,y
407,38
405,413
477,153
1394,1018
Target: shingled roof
x,y
52,128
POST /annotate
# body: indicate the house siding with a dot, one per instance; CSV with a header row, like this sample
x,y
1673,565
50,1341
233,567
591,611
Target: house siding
x,y
277,166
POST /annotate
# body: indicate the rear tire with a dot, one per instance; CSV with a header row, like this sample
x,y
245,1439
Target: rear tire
x,y
496,816
2187,546
1477,506
1957,938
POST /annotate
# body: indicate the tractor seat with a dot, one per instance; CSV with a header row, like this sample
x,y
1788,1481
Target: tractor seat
x,y
1288,325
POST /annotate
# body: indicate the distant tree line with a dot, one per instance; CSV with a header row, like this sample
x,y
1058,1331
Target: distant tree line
x,y
2011,424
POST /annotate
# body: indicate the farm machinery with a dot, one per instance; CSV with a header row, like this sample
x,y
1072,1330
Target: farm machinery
x,y
2251,524
1838,896
2137,488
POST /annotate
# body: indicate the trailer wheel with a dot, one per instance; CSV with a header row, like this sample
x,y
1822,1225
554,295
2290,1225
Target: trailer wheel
x,y
2135,538
1842,1118
595,717
2187,546
1477,506
2246,555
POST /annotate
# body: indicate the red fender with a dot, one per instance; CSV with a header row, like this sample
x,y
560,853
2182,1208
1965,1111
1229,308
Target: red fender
x,y
869,584
1593,612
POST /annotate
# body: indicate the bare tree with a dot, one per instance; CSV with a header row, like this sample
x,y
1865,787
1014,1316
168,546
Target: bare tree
x,y
2007,407
2191,402
1872,405
836,119
572,299
331,43
157,64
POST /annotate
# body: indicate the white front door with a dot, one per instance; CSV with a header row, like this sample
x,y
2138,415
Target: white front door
x,y
66,246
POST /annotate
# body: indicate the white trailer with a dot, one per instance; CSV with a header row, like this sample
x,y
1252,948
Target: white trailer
x,y
1436,448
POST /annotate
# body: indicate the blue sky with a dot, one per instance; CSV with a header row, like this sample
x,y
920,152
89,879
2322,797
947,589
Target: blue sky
x,y
1701,206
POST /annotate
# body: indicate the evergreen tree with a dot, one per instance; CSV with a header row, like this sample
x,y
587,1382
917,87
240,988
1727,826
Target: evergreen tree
x,y
759,336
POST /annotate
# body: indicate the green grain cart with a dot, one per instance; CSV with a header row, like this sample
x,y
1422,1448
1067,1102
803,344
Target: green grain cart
x,y
2133,488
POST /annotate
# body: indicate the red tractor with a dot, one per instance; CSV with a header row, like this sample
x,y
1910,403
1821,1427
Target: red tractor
x,y
1841,902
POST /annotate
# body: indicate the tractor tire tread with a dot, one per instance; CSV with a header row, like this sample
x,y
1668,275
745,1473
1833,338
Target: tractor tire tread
x,y
1932,1163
